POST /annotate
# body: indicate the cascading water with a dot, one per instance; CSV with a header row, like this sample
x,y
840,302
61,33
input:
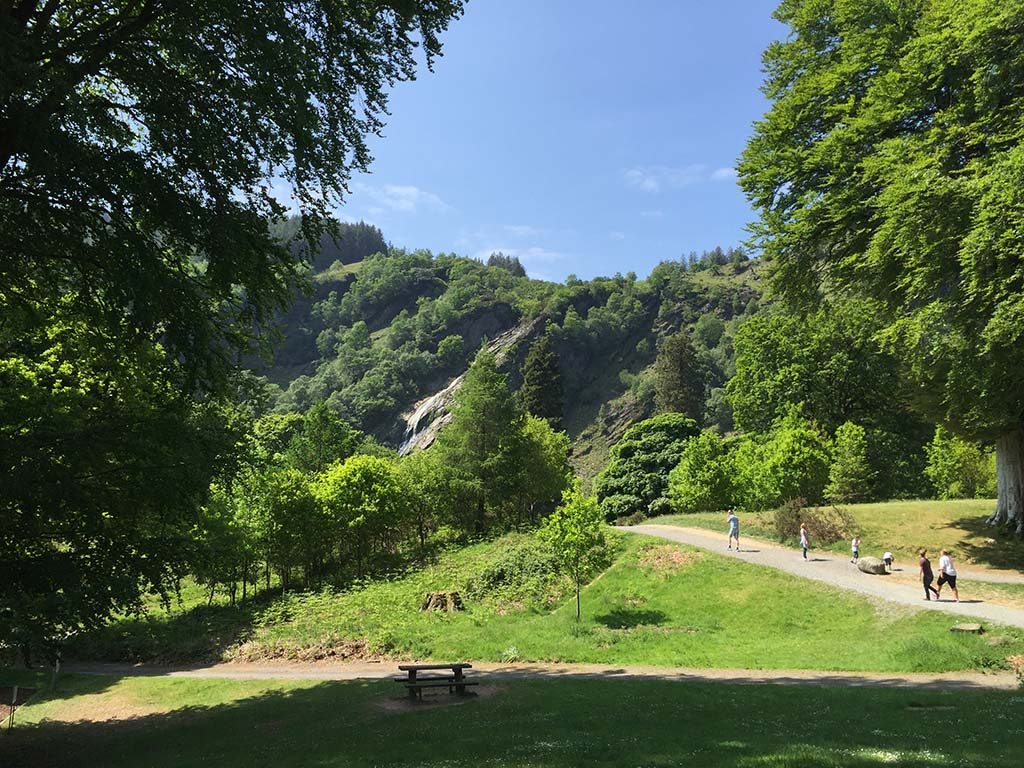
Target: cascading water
x,y
428,415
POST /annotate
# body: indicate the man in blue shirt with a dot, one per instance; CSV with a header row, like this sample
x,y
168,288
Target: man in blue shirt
x,y
734,529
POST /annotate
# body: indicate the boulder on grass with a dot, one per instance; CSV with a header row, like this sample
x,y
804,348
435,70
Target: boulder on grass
x,y
872,565
975,629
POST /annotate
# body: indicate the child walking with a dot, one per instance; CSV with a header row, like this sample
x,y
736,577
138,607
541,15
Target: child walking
x,y
803,539
855,547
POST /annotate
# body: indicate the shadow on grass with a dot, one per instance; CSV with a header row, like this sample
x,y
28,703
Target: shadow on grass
x,y
627,618
997,548
200,633
553,723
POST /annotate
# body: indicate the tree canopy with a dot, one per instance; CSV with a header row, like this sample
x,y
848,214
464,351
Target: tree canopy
x,y
143,150
889,166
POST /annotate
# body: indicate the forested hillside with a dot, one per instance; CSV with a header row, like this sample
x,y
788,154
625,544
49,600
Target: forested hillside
x,y
384,329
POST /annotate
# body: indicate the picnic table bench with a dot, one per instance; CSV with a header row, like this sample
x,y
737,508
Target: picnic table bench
x,y
455,682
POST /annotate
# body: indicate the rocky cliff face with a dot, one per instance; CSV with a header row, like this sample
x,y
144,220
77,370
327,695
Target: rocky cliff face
x,y
426,418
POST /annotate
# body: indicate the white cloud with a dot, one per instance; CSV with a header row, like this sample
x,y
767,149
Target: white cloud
x,y
655,178
616,235
523,230
652,214
400,198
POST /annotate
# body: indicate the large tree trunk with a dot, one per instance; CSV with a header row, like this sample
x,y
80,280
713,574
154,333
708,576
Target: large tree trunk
x,y
1010,481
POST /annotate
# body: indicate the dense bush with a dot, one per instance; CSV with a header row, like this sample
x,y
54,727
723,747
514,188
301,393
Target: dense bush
x,y
702,481
524,572
959,469
640,463
850,478
829,364
791,461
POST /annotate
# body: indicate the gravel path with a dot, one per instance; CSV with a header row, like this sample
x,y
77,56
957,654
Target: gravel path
x,y
498,672
838,571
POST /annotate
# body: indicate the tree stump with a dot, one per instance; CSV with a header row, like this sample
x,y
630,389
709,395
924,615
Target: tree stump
x,y
450,602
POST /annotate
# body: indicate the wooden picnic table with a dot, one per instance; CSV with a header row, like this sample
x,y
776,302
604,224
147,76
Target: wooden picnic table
x,y
455,682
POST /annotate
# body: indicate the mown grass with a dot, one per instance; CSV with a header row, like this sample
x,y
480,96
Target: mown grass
x,y
901,527
658,604
165,722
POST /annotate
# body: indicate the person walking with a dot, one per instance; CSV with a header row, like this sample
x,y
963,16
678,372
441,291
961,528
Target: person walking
x,y
803,539
947,575
734,529
926,575
855,548
887,559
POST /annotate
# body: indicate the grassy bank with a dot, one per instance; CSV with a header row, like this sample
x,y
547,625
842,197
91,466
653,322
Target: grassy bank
x,y
175,722
659,603
901,527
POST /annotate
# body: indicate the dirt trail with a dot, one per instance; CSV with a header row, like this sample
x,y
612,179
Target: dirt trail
x,y
499,672
837,570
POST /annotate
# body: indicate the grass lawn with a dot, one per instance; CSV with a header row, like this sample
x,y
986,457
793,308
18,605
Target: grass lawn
x,y
659,604
901,527
178,722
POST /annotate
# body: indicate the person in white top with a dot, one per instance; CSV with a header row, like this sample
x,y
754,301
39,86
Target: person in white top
x,y
887,559
855,549
734,529
803,539
947,575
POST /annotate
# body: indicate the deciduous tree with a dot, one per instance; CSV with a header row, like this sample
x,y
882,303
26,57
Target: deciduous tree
x,y
575,532
889,166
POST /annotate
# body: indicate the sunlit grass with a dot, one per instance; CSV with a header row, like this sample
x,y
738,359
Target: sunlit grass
x,y
659,604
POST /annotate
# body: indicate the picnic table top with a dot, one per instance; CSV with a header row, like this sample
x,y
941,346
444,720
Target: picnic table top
x,y
456,665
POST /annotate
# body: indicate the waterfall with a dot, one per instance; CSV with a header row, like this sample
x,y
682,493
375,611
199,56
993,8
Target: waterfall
x,y
428,415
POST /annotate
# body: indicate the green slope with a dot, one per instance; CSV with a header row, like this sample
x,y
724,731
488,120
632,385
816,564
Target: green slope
x,y
658,604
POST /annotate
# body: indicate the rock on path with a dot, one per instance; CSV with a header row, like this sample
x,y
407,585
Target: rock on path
x,y
830,568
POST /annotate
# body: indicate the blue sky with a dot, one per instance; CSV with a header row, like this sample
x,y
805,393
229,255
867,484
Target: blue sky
x,y
586,137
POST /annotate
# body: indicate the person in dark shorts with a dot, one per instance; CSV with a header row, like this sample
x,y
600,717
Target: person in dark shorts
x,y
947,575
927,577
887,559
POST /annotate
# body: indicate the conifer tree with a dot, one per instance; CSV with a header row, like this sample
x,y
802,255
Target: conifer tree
x,y
542,394
480,447
850,478
679,377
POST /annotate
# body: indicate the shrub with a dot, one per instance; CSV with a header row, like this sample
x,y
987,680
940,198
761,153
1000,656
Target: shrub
x,y
635,519
792,461
660,506
525,571
850,478
640,463
702,481
787,518
959,469
825,525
